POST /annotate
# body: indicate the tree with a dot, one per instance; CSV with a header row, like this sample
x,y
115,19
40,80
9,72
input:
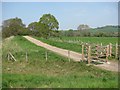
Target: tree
x,y
32,26
43,30
13,21
12,26
50,21
83,27
39,29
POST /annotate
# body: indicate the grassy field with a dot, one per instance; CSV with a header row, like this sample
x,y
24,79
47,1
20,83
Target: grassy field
x,y
56,72
91,40
74,43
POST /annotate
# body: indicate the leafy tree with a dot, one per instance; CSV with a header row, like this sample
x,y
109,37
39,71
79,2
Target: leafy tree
x,y
13,21
50,21
32,26
46,26
12,26
43,30
39,29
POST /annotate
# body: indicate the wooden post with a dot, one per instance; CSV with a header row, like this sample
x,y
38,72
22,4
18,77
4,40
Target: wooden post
x,y
110,49
8,57
116,50
12,56
89,54
101,44
46,55
69,55
101,49
26,57
97,51
107,53
82,52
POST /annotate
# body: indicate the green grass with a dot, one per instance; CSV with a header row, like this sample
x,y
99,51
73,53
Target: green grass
x,y
92,40
70,81
56,72
77,47
64,45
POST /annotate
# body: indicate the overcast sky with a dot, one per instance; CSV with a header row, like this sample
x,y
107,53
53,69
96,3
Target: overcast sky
x,y
68,14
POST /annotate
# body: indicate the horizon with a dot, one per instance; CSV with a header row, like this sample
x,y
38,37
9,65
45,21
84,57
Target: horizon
x,y
94,14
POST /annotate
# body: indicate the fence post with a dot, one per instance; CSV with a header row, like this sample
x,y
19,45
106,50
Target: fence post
x,y
97,54
26,57
107,53
101,44
46,55
101,49
89,54
69,55
110,49
82,52
8,57
116,50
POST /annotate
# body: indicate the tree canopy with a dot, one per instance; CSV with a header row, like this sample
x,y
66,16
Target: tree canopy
x,y
13,26
13,21
39,29
45,27
50,21
32,26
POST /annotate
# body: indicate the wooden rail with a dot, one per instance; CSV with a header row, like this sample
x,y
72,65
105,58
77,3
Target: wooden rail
x,y
99,52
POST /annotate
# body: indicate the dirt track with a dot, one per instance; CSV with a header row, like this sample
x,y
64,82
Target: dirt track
x,y
113,66
73,55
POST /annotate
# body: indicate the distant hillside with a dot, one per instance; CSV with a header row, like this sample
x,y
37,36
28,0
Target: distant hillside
x,y
106,29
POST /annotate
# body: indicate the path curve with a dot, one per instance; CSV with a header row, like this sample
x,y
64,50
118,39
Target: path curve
x,y
112,66
73,55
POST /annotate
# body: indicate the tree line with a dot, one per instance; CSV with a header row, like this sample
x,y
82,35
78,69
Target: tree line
x,y
48,26
88,33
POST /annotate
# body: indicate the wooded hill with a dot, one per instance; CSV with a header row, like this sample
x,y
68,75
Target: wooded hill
x,y
105,31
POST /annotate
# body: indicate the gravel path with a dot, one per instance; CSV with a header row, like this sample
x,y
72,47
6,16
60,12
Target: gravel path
x,y
73,55
111,66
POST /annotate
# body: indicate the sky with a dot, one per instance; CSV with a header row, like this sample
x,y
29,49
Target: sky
x,y
60,0
69,14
